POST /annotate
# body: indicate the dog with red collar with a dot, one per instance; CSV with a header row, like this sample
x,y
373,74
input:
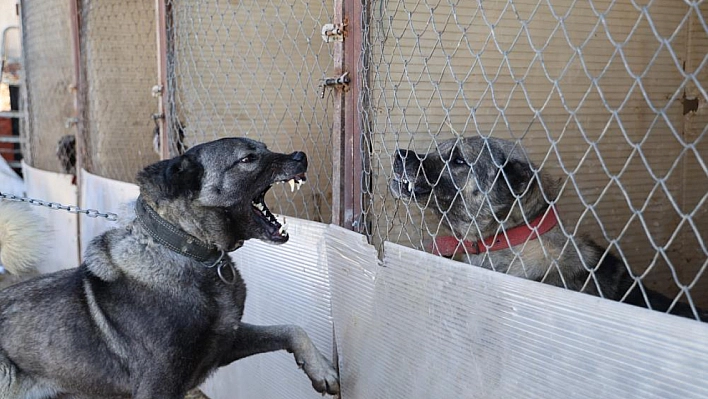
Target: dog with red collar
x,y
502,212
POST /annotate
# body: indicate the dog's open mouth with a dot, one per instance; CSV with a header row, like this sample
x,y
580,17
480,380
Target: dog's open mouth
x,y
407,188
277,231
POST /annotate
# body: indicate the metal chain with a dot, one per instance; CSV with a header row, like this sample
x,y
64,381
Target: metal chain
x,y
92,213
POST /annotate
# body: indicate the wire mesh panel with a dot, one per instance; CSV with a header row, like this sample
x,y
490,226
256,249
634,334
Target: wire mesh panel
x,y
607,99
49,69
119,55
252,68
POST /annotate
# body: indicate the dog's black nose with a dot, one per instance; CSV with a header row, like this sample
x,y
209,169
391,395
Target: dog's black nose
x,y
298,156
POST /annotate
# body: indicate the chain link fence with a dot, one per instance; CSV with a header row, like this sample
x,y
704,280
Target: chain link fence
x,y
252,68
119,60
608,97
49,76
605,97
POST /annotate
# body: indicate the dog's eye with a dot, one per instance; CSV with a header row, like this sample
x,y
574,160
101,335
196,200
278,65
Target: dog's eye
x,y
459,161
247,159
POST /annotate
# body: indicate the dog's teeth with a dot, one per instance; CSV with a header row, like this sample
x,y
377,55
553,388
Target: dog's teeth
x,y
298,184
283,230
411,186
291,182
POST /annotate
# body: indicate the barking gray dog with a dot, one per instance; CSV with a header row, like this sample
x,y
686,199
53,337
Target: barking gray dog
x,y
156,305
496,202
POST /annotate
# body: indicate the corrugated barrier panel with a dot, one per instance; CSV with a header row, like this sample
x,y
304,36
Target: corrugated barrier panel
x,y
287,284
104,195
353,268
55,187
421,326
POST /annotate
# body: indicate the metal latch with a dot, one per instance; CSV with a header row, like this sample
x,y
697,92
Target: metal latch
x,y
334,32
341,82
156,90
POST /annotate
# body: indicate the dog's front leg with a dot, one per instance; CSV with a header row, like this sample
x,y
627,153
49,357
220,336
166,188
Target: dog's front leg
x,y
250,340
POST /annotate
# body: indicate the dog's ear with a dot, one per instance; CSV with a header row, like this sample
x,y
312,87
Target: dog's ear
x,y
171,178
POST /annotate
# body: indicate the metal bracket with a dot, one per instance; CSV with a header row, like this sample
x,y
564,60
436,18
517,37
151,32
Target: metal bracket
x,y
156,90
341,82
334,32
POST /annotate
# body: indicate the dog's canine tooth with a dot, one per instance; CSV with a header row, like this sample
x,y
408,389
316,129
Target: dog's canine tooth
x,y
298,184
291,182
411,186
283,230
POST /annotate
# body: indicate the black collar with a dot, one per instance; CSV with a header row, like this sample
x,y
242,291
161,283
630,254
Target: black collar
x,y
174,237
178,241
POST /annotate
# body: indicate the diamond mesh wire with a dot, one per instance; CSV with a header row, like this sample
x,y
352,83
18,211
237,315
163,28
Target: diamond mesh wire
x,y
252,68
119,56
49,74
607,96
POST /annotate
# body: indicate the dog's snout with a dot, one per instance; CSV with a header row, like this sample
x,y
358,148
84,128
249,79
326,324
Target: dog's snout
x,y
298,156
406,159
402,154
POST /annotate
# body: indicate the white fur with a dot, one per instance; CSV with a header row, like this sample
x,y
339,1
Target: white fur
x,y
24,237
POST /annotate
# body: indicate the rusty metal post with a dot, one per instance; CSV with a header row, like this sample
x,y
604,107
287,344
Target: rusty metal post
x,y
78,90
347,128
162,15
25,126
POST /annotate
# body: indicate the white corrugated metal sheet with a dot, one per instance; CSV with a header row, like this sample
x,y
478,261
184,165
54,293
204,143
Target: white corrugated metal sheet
x,y
421,326
55,187
287,284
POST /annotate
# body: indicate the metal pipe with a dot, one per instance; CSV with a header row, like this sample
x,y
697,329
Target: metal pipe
x,y
2,48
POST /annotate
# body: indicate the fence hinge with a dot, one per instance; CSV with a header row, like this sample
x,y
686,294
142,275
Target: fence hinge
x,y
156,90
342,82
334,32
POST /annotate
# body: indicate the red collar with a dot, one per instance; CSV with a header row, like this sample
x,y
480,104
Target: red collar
x,y
450,246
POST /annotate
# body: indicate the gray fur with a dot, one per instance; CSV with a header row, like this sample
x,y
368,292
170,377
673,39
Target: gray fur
x,y
480,187
137,320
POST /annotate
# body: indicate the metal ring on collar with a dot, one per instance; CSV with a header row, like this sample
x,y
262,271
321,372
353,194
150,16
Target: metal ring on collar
x,y
221,256
233,273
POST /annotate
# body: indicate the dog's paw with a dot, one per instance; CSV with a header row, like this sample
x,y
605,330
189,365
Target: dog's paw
x,y
321,372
